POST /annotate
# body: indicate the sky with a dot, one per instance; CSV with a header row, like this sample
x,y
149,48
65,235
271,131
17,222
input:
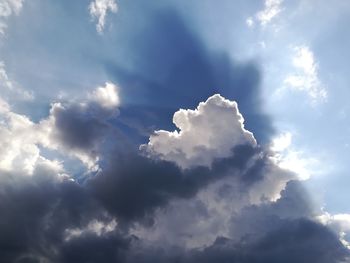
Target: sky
x,y
174,131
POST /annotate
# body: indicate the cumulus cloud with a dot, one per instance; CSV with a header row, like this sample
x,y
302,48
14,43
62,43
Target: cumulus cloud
x,y
240,206
208,132
106,96
19,143
99,10
74,129
79,128
306,77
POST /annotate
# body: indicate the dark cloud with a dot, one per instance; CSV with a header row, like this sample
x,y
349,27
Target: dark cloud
x,y
135,185
298,240
78,128
91,248
37,211
47,217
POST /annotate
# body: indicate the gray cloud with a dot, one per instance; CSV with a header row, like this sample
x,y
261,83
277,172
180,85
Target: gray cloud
x,y
243,208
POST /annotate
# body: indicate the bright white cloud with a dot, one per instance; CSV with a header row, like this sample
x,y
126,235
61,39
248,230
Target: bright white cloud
x,y
8,8
286,157
305,78
208,132
19,151
106,96
99,9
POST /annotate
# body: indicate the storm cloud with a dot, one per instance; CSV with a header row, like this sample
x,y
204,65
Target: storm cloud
x,y
140,208
174,158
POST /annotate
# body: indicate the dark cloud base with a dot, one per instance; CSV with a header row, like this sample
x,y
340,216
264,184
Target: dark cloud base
x,y
36,212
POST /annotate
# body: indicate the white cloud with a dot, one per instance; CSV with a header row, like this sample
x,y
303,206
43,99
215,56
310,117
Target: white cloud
x,y
10,89
96,227
19,151
286,157
99,9
206,133
20,138
250,22
305,78
106,96
340,223
8,8
272,8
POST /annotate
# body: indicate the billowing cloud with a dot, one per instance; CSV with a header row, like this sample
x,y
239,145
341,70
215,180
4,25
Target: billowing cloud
x,y
208,132
239,206
75,129
19,143
106,96
306,76
99,10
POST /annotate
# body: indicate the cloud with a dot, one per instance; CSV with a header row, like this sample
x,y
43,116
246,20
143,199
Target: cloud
x,y
208,132
10,89
75,129
181,62
288,158
106,96
306,77
19,144
80,128
243,207
340,223
8,8
272,8
99,9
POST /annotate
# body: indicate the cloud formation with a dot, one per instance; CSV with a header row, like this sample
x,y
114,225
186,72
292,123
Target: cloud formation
x,y
10,89
208,132
8,8
272,8
75,129
306,77
99,10
241,208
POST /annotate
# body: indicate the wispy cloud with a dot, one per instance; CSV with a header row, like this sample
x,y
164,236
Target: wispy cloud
x,y
271,9
10,89
8,8
305,76
99,10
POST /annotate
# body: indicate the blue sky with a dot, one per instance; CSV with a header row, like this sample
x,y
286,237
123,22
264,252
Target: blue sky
x,y
76,75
